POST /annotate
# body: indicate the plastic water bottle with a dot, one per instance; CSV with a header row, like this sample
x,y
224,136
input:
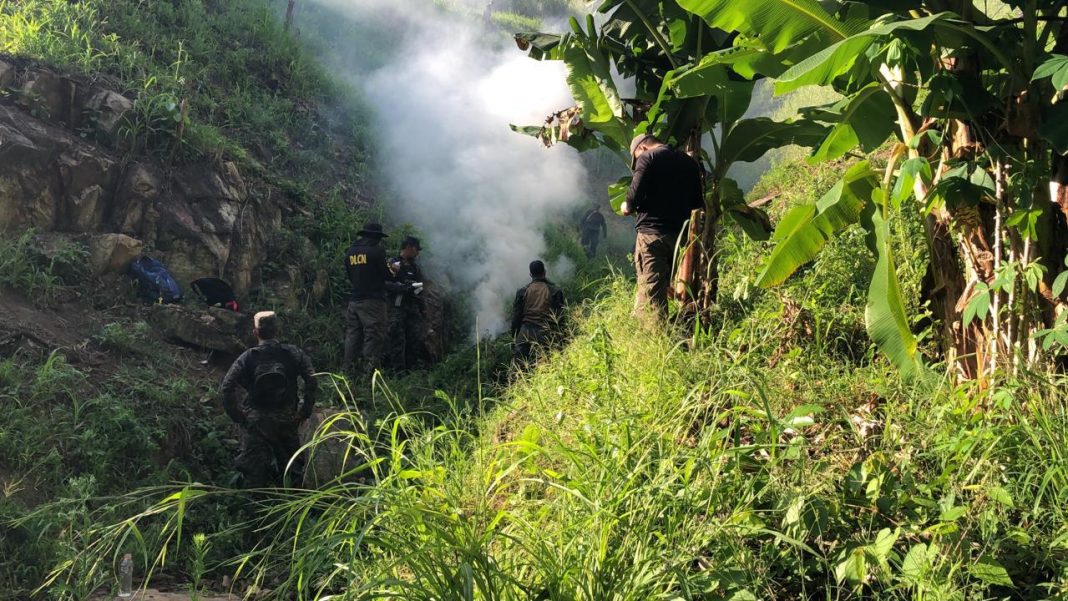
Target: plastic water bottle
x,y
126,576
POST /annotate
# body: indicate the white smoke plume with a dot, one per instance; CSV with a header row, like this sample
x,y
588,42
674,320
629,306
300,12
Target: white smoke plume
x,y
479,192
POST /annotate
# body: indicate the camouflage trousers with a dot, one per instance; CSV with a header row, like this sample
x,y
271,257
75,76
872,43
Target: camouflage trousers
x,y
269,443
365,334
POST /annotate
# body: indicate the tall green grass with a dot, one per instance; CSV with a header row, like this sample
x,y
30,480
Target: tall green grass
x,y
627,467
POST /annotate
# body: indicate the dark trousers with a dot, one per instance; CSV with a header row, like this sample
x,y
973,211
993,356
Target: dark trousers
x,y
407,337
590,238
365,333
653,263
530,341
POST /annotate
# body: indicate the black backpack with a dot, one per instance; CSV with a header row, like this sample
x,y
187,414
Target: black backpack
x,y
270,377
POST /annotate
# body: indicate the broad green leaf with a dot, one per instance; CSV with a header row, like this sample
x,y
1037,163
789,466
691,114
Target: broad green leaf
x,y
1059,283
750,139
1055,67
884,542
617,193
978,305
916,563
590,81
906,179
854,568
699,81
805,229
990,572
779,23
884,315
540,46
824,66
866,119
1000,495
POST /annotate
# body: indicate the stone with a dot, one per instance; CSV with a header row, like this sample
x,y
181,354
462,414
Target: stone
x,y
133,210
86,180
7,75
112,253
210,328
49,96
331,456
288,288
107,109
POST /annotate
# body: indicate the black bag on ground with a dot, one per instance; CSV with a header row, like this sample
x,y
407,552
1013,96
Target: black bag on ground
x,y
215,292
155,283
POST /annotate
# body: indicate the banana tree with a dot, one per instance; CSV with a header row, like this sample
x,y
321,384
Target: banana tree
x,y
693,88
977,156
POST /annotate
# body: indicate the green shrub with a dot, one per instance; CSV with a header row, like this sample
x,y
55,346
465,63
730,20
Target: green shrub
x,y
27,267
123,339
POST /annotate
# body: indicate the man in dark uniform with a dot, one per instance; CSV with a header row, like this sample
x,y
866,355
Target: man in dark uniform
x,y
665,188
536,315
592,227
272,411
407,321
366,319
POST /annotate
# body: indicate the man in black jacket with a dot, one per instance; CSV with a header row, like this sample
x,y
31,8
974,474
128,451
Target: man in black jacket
x,y
407,313
272,411
538,311
366,319
665,189
592,227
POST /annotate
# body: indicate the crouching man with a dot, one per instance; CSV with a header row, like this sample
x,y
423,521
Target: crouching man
x,y
272,411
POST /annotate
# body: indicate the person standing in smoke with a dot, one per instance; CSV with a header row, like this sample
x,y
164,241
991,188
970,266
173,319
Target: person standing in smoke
x,y
407,312
537,314
366,318
592,227
665,189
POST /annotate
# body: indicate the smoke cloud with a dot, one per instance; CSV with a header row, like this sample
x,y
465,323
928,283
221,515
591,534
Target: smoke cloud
x,y
443,99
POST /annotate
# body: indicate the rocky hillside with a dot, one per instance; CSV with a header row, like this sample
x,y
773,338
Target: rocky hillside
x,y
64,168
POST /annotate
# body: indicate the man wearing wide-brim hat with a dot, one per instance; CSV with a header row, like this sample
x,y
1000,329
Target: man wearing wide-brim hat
x,y
366,318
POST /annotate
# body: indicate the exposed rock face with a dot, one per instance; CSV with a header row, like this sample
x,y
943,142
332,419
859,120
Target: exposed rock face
x,y
209,328
112,253
108,109
200,220
7,74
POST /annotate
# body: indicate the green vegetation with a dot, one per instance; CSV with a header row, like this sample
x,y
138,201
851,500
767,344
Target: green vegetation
x,y
771,454
211,80
777,458
967,96
38,269
77,434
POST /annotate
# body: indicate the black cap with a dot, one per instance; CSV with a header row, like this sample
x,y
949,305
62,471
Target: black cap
x,y
537,269
411,241
372,230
